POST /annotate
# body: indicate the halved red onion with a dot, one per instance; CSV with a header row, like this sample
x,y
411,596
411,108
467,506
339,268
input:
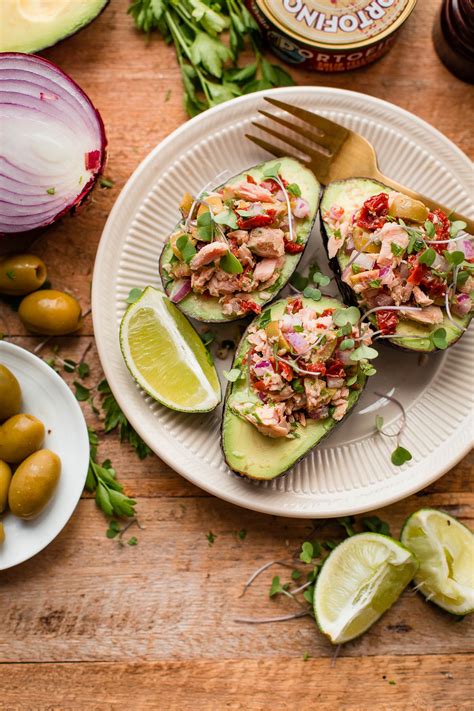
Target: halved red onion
x,y
181,288
53,143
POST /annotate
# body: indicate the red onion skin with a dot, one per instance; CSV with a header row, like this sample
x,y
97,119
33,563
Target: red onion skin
x,y
13,241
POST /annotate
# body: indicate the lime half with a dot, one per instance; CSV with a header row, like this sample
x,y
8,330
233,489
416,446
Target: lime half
x,y
165,355
358,582
445,550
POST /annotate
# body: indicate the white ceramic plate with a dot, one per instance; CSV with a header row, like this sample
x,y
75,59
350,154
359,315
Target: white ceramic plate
x,y
46,396
351,471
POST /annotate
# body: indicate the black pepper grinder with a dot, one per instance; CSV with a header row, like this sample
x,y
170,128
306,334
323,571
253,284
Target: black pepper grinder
x,y
453,37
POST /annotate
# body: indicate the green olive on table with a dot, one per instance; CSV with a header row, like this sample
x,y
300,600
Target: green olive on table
x,y
20,436
5,479
2,533
10,394
21,274
50,313
33,484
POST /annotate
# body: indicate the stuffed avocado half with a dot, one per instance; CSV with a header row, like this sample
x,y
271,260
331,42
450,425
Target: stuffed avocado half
x,y
238,244
410,267
298,371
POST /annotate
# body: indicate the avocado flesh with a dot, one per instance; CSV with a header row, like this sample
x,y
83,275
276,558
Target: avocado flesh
x,y
207,308
250,453
350,194
30,26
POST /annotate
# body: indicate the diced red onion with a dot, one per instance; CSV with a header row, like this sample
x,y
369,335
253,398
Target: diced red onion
x,y
53,143
349,245
462,305
262,364
320,413
261,396
468,248
364,260
300,208
335,382
181,288
297,342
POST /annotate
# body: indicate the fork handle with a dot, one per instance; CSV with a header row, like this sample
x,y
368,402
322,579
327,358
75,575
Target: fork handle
x,y
427,201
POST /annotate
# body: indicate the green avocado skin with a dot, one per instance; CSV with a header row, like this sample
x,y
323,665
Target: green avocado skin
x,y
335,193
251,454
206,308
57,29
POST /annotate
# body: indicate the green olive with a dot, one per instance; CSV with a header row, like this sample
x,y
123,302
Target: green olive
x,y
408,209
21,274
33,483
50,313
2,533
5,478
10,394
20,436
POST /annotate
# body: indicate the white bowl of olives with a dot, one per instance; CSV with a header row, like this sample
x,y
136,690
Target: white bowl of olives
x,y
44,454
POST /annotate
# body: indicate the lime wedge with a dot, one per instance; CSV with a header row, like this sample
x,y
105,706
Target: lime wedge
x,y
358,582
165,355
445,551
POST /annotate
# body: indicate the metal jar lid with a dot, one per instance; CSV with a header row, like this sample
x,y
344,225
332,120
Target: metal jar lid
x,y
337,23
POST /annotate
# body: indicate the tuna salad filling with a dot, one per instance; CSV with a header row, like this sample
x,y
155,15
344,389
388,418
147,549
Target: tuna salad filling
x,y
302,366
234,241
403,261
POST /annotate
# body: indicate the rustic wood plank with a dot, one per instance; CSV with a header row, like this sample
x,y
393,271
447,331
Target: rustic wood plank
x,y
412,683
175,597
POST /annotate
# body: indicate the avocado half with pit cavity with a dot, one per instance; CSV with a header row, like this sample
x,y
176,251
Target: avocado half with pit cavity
x,y
351,194
29,26
206,308
246,450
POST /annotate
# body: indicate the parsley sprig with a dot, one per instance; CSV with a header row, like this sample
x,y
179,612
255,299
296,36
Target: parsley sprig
x,y
209,66
102,480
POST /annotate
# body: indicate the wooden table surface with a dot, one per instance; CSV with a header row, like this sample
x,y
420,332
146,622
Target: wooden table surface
x,y
88,624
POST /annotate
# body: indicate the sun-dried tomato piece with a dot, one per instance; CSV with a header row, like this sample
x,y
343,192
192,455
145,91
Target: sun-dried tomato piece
x,y
316,368
263,220
293,247
441,225
387,321
373,213
250,306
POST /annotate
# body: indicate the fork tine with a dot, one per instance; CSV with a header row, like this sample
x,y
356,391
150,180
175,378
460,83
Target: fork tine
x,y
274,150
320,156
310,134
335,133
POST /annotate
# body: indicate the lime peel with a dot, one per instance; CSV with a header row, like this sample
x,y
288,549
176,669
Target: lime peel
x,y
358,582
445,550
166,356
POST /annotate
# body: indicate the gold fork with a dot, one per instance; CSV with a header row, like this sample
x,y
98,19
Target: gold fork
x,y
336,152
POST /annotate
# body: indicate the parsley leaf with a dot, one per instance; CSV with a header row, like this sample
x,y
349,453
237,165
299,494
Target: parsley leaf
x,y
115,419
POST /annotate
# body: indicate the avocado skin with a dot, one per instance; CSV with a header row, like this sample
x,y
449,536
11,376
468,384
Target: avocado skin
x,y
349,296
246,475
226,319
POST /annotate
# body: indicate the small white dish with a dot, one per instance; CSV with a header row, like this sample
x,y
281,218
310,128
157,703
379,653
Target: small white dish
x,y
47,397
